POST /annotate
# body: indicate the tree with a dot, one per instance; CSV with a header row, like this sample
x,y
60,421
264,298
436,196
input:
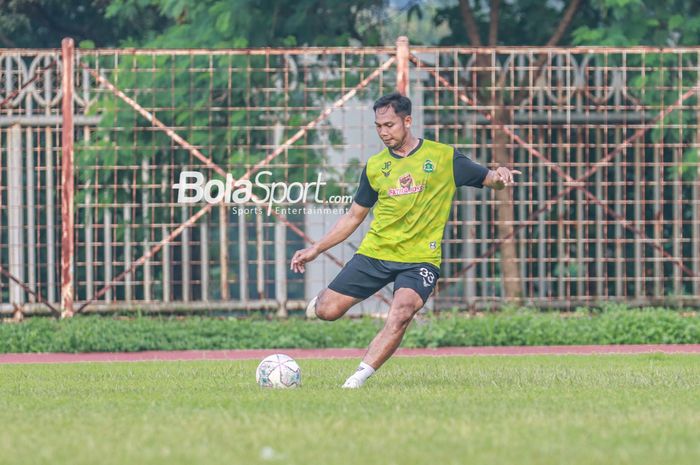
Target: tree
x,y
479,24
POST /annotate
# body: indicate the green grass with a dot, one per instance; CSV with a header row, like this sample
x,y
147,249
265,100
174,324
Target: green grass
x,y
520,410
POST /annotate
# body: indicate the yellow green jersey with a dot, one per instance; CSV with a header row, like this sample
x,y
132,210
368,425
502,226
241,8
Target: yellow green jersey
x,y
412,197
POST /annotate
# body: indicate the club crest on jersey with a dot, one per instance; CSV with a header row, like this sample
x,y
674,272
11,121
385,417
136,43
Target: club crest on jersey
x,y
428,166
405,186
386,170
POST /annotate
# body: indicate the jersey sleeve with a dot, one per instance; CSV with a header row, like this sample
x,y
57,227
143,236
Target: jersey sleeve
x,y
468,172
365,196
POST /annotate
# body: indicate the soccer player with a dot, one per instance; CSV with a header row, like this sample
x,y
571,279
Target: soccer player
x,y
410,184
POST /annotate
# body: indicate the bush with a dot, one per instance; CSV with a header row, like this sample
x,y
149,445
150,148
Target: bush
x,y
524,327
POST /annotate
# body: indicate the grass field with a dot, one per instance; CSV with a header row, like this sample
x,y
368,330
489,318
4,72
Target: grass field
x,y
628,409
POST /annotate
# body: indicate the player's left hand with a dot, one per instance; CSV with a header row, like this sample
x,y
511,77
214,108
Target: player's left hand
x,y
505,175
301,257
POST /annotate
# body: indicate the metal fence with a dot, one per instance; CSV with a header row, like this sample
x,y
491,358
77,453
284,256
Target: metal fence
x,y
606,209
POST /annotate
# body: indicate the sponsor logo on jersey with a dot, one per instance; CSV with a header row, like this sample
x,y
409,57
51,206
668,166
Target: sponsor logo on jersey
x,y
433,245
406,186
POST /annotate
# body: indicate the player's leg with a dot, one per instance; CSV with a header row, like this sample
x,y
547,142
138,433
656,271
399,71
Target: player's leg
x,y
360,278
412,287
405,305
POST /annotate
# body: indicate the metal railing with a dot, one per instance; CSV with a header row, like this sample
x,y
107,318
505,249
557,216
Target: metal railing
x,y
606,209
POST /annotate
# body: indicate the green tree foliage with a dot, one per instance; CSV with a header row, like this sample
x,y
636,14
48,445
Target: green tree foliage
x,y
258,23
43,23
641,22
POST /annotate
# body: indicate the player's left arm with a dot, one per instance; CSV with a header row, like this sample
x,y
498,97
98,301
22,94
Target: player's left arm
x,y
470,173
500,178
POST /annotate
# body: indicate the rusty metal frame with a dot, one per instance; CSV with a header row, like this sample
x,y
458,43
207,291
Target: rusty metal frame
x,y
54,311
401,58
402,65
574,183
39,297
209,163
36,76
67,180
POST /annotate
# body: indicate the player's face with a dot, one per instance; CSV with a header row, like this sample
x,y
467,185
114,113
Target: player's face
x,y
391,128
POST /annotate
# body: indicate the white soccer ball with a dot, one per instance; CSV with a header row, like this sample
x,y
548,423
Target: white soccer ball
x,y
278,371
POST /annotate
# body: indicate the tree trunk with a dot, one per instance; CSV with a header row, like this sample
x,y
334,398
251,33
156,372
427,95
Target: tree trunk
x,y
509,255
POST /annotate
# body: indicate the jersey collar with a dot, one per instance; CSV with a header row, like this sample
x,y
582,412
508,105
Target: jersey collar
x,y
420,144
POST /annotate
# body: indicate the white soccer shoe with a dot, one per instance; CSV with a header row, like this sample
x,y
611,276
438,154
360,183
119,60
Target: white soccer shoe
x,y
311,309
352,383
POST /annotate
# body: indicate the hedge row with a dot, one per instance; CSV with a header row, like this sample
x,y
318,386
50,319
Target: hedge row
x,y
520,327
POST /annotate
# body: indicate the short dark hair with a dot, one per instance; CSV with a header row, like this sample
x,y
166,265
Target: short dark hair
x,y
400,103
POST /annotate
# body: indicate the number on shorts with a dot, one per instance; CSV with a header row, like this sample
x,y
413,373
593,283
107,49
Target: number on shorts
x,y
428,275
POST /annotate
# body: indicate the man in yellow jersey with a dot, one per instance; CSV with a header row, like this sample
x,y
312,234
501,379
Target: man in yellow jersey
x,y
410,184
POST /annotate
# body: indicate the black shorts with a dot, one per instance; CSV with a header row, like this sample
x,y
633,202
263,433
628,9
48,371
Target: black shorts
x,y
363,276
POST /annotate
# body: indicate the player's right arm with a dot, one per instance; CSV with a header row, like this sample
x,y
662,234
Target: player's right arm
x,y
345,226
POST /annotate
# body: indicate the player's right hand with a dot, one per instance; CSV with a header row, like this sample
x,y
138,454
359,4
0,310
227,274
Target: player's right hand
x,y
301,257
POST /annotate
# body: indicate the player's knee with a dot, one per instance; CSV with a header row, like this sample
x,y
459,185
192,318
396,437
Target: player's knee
x,y
399,323
327,313
401,314
326,310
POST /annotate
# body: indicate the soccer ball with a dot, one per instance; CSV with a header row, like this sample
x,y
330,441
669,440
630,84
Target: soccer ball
x,y
278,371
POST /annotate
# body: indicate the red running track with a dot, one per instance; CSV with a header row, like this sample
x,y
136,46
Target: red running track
x,y
257,354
